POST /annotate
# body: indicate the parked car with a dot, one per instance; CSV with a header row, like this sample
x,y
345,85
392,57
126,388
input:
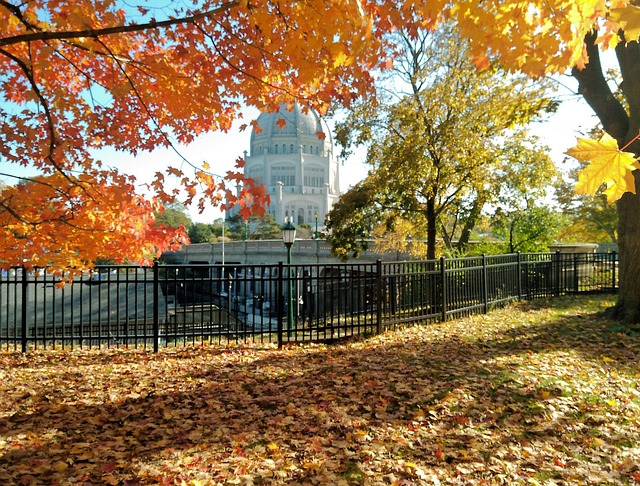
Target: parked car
x,y
100,277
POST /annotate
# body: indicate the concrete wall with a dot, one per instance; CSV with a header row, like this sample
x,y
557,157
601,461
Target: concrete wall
x,y
268,252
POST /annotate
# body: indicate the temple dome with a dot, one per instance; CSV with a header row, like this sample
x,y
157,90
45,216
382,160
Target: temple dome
x,y
299,125
296,166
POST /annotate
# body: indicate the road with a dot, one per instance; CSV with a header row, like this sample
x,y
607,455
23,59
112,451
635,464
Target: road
x,y
125,296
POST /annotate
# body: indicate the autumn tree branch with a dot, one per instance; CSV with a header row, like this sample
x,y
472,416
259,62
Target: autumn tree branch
x,y
45,106
593,86
15,10
35,181
41,35
247,74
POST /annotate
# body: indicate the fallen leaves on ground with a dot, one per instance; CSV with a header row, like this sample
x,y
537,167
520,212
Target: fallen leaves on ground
x,y
542,393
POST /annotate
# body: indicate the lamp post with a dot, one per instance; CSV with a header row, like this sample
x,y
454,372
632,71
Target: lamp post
x,y
315,235
288,237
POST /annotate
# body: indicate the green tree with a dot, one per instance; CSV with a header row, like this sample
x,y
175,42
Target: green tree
x,y
350,221
523,172
531,229
174,216
436,141
218,228
264,228
238,228
254,228
200,233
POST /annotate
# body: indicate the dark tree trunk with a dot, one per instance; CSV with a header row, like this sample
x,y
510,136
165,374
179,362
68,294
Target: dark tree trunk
x,y
628,305
471,221
623,127
446,237
432,222
512,230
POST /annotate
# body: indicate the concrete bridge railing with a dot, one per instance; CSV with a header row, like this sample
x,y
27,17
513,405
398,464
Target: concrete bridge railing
x,y
268,252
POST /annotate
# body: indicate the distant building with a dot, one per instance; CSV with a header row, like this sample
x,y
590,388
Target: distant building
x,y
295,163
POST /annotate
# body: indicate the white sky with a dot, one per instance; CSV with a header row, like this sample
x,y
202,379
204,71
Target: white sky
x,y
573,119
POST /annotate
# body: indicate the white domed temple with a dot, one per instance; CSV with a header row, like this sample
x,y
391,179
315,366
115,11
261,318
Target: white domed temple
x,y
295,164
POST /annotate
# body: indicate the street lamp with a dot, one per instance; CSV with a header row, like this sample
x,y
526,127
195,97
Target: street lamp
x,y
315,235
288,237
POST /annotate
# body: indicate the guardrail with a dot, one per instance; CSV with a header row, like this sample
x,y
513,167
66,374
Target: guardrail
x,y
168,305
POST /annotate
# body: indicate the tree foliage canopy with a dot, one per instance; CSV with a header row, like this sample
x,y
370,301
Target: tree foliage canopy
x,y
531,229
442,139
173,215
85,75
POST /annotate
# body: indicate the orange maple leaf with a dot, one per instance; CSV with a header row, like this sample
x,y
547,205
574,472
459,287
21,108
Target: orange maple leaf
x,y
175,172
481,62
256,127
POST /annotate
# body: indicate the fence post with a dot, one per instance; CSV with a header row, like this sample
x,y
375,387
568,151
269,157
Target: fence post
x,y
280,302
519,260
443,292
156,306
614,260
576,283
379,296
23,311
485,284
558,273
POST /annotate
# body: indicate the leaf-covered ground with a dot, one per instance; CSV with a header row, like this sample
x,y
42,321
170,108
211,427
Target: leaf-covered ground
x,y
543,393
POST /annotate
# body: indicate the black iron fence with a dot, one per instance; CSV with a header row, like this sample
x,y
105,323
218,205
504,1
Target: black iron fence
x,y
168,305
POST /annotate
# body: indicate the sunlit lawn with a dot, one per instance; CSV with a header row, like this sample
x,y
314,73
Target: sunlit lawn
x,y
542,393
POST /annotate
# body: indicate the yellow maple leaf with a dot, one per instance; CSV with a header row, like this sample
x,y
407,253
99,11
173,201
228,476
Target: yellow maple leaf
x,y
607,165
629,20
342,59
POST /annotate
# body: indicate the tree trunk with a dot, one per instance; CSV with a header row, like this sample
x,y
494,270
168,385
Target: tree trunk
x,y
512,230
623,126
628,305
471,221
446,237
431,229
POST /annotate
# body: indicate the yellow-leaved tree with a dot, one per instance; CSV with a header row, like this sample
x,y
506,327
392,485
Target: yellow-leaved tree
x,y
84,75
